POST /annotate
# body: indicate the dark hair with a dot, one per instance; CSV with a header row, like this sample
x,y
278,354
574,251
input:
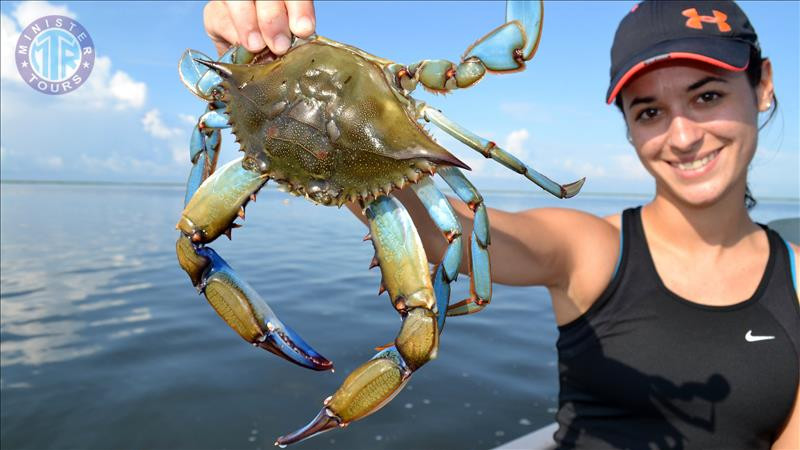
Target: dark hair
x,y
753,73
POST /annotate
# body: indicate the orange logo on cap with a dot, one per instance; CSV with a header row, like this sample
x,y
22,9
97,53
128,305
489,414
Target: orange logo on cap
x,y
695,20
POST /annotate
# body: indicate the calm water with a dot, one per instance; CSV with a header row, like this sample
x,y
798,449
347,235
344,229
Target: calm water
x,y
105,343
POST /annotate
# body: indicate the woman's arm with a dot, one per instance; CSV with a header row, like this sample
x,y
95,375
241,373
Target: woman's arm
x,y
557,248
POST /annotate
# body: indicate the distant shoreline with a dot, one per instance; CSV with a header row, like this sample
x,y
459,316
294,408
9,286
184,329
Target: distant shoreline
x,y
95,183
485,191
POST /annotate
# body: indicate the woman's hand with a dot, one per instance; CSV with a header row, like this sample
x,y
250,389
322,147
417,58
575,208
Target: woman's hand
x,y
258,24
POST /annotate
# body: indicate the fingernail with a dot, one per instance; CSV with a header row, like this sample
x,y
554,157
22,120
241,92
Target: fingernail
x,y
280,43
304,25
255,42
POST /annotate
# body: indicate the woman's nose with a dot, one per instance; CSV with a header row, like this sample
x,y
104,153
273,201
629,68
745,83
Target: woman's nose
x,y
684,134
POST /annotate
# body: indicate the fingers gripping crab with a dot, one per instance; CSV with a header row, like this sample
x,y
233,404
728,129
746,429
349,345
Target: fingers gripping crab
x,y
335,124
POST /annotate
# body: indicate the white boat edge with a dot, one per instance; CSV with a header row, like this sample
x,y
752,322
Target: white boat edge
x,y
541,439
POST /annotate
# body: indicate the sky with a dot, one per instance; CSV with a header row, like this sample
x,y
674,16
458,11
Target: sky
x,y
132,119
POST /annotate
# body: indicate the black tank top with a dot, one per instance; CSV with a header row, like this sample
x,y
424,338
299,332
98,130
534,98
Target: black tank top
x,y
644,368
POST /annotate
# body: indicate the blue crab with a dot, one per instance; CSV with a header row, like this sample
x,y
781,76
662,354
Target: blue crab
x,y
335,124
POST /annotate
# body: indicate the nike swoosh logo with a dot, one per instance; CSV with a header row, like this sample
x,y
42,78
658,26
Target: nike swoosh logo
x,y
750,338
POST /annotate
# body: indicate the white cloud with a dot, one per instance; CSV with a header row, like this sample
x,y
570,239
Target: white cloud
x,y
27,12
108,89
515,142
9,33
103,88
176,138
127,91
188,119
155,126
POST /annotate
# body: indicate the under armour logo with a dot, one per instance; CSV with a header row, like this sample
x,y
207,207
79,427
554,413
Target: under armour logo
x,y
695,20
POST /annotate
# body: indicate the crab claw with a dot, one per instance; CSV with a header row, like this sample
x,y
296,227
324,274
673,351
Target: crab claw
x,y
286,343
250,316
191,73
326,420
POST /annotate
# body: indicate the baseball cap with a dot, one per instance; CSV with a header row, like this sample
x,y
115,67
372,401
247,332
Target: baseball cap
x,y
714,32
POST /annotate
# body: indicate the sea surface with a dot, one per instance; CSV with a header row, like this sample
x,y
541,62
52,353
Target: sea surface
x,y
105,344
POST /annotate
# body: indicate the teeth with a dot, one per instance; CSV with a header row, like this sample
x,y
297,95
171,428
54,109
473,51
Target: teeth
x,y
697,163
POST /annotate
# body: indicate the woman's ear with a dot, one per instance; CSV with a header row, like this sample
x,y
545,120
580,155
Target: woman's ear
x,y
765,91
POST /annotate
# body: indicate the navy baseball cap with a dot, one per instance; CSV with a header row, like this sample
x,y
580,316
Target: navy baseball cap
x,y
714,32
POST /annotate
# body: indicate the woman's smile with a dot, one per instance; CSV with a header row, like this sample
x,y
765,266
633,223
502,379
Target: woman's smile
x,y
695,166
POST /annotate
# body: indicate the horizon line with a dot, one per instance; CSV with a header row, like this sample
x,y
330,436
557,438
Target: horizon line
x,y
492,191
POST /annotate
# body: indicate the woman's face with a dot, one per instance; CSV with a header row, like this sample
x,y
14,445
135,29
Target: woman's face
x,y
695,128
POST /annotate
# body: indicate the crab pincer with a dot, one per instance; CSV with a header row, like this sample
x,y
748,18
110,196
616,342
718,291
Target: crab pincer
x,y
404,268
250,316
210,213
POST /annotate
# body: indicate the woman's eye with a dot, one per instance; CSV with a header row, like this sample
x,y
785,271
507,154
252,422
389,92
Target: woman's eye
x,y
647,114
708,97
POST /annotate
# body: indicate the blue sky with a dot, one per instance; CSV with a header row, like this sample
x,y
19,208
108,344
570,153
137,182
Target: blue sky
x,y
132,119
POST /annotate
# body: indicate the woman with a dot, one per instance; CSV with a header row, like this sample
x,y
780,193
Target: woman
x,y
679,321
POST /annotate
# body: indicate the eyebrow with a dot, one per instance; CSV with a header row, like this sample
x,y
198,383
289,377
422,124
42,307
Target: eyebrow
x,y
705,81
692,87
638,100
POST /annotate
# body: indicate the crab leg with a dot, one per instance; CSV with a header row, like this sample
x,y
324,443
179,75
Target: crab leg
x,y
405,271
508,47
490,150
205,141
480,284
217,202
445,219
203,151
504,49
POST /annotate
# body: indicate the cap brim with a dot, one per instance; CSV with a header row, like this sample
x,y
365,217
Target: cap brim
x,y
724,53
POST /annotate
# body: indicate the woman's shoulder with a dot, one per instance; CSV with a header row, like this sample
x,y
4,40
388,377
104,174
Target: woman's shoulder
x,y
580,233
591,244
